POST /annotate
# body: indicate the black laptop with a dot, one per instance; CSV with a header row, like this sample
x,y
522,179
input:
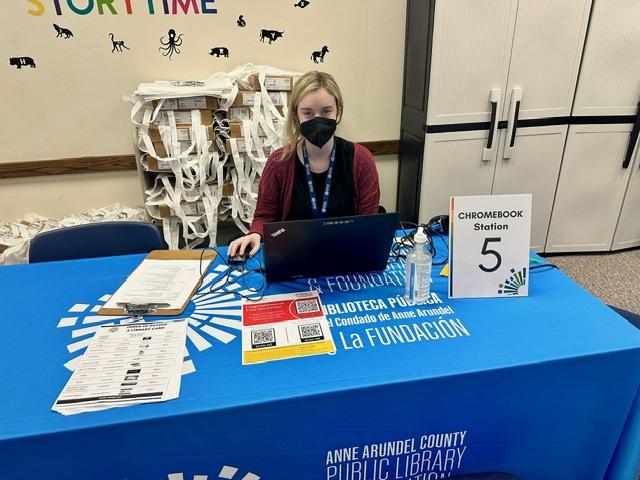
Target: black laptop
x,y
327,246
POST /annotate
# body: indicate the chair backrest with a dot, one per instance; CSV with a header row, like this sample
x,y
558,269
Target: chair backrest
x,y
95,240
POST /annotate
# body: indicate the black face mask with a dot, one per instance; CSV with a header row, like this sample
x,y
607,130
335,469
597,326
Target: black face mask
x,y
318,130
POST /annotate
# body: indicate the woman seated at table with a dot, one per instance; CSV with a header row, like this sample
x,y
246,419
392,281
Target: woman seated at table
x,y
315,174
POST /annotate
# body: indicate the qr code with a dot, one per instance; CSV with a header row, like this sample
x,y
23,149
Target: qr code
x,y
307,306
311,332
263,338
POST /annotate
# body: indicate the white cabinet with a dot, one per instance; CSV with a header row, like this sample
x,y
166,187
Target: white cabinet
x,y
591,188
610,74
628,229
501,85
534,45
545,56
596,205
452,167
532,168
469,57
504,116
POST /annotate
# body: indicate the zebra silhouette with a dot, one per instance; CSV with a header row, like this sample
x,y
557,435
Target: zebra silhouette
x,y
319,54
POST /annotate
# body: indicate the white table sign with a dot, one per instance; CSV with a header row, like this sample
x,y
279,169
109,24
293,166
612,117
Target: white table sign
x,y
489,243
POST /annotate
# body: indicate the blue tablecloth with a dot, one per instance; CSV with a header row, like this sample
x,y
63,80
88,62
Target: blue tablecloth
x,y
543,386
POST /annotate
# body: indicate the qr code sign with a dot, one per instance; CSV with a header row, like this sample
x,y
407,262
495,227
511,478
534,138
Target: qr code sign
x,y
311,332
263,338
307,306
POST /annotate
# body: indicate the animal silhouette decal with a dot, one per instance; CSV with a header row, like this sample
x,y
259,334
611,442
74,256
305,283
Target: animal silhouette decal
x,y
271,35
22,62
240,22
63,32
302,3
319,54
118,45
171,47
217,51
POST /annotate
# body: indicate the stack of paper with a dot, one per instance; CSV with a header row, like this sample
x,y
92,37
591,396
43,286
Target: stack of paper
x,y
284,326
126,365
166,279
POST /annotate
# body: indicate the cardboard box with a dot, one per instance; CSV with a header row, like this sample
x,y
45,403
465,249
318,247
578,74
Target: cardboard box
x,y
160,165
198,103
167,104
183,133
279,99
189,208
277,83
157,165
241,145
189,103
237,129
227,189
237,114
183,117
194,208
244,98
161,151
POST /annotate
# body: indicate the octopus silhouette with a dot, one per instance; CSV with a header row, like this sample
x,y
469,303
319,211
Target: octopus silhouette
x,y
172,44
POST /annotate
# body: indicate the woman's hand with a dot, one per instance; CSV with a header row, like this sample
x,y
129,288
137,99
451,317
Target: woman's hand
x,y
249,244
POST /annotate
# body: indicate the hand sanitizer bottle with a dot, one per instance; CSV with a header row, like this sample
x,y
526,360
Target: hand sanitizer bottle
x,y
418,272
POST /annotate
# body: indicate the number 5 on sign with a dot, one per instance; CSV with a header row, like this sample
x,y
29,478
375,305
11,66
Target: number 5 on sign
x,y
489,246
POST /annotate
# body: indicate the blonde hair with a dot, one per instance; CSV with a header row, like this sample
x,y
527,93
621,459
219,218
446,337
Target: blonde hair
x,y
306,84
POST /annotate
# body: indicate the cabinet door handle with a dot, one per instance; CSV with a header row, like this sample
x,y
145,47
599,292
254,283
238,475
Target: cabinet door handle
x,y
489,151
512,125
633,139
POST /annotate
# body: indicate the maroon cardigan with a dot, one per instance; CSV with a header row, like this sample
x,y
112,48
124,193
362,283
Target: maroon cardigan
x,y
276,187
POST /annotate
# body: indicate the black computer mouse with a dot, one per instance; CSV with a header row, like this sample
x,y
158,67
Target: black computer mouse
x,y
238,259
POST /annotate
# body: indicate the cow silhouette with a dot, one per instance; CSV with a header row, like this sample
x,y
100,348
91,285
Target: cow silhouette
x,y
272,35
217,51
22,62
320,54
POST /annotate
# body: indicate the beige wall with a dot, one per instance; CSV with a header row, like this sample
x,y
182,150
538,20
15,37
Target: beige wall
x,y
70,105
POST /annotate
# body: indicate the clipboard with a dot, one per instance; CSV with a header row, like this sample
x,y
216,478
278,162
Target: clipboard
x,y
156,308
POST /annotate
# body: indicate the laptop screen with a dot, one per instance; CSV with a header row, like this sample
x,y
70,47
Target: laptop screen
x,y
328,246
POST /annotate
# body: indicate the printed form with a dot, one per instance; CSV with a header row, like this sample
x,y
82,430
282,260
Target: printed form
x,y
160,281
126,365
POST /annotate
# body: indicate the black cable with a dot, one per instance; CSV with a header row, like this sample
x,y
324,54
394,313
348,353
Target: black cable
x,y
260,270
397,245
241,267
407,241
544,265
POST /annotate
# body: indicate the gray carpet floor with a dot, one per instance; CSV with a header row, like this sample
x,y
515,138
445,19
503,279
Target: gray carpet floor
x,y
612,277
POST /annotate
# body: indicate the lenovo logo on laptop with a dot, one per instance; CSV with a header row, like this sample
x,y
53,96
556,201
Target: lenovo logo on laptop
x,y
277,232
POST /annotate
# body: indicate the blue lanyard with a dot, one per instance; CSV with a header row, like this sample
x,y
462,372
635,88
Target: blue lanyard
x,y
327,184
